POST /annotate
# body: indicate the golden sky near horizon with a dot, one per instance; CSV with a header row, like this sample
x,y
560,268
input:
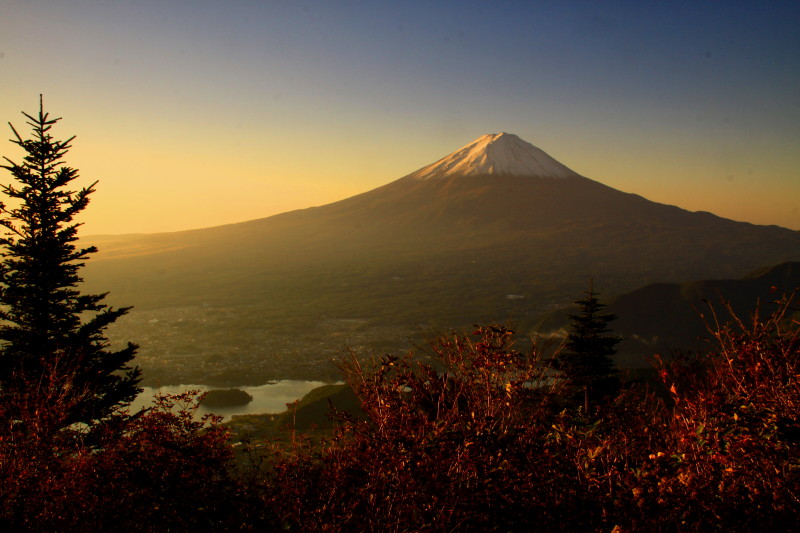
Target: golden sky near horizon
x,y
195,114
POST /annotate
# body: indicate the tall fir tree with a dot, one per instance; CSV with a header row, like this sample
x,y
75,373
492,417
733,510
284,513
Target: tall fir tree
x,y
52,341
587,357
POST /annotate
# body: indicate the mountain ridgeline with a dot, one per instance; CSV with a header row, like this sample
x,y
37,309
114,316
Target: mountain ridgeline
x,y
670,318
498,230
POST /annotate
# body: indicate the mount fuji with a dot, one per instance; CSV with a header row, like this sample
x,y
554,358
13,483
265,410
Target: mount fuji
x,y
496,230
496,154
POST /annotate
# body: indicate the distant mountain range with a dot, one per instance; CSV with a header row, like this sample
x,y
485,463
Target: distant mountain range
x,y
671,318
497,230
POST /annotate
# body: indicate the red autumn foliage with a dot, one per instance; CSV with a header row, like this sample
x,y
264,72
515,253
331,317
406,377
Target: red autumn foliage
x,y
160,470
479,438
729,453
478,441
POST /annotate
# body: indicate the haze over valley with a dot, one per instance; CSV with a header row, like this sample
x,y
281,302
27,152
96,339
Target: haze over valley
x,y
496,231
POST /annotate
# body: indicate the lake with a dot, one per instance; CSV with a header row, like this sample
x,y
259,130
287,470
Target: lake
x,y
269,398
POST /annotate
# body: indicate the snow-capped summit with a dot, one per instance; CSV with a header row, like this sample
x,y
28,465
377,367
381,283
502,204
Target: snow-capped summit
x,y
496,154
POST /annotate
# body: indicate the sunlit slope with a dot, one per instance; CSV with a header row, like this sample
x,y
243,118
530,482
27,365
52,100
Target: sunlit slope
x,y
450,248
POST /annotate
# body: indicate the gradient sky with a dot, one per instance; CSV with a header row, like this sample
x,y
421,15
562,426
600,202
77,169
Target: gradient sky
x,y
199,113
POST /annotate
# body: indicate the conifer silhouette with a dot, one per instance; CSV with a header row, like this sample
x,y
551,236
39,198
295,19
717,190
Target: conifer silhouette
x,y
586,361
52,342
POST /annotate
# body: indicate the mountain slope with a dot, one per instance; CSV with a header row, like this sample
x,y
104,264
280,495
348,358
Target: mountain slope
x,y
496,230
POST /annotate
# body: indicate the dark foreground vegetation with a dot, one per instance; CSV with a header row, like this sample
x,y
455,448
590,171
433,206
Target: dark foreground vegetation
x,y
478,437
487,440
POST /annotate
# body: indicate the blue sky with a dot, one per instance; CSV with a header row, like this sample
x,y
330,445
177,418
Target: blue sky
x,y
195,113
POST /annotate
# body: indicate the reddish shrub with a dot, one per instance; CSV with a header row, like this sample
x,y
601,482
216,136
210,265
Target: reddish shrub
x,y
162,470
464,443
728,455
